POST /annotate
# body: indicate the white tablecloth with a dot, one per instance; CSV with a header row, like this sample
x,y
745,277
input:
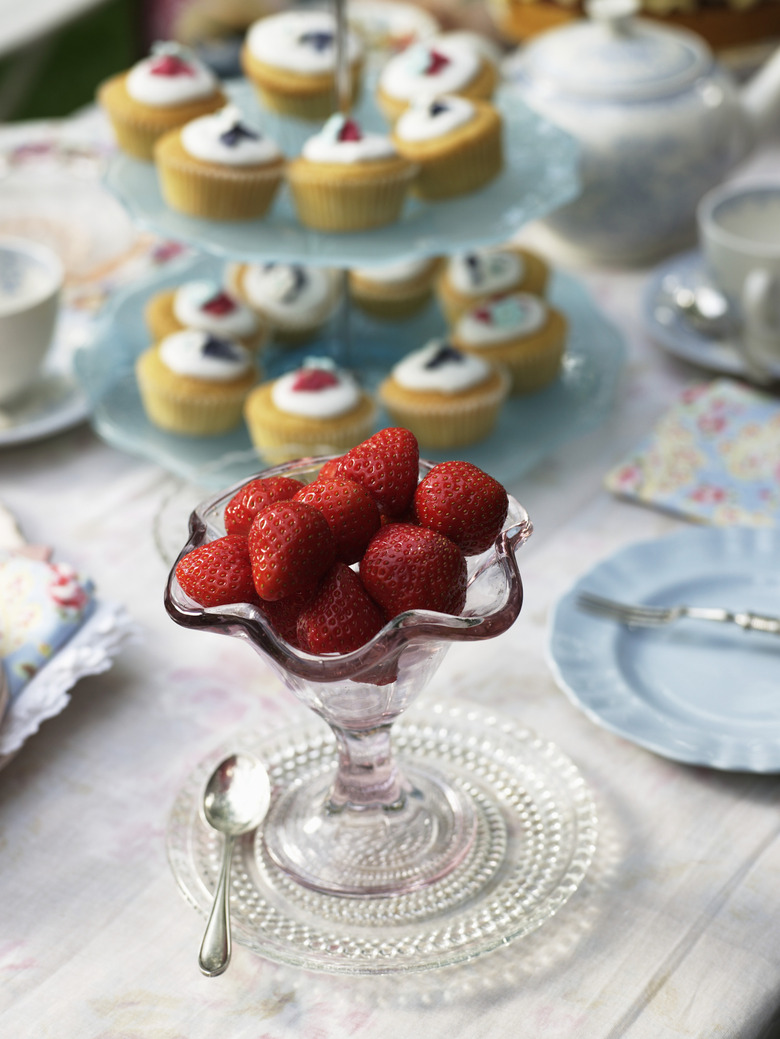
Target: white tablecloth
x,y
673,934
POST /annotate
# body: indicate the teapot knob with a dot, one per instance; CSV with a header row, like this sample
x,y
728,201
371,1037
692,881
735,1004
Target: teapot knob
x,y
616,15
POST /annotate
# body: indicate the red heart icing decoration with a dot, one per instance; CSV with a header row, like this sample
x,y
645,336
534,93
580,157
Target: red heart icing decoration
x,y
170,65
314,379
219,304
437,62
350,131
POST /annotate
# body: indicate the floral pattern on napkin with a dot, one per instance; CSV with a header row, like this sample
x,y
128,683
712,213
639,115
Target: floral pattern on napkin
x,y
714,457
42,605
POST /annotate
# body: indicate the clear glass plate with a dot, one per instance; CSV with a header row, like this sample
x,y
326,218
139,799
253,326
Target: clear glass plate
x,y
541,173
528,427
536,837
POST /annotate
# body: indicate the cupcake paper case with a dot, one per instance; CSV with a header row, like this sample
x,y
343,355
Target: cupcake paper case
x,y
290,58
194,384
157,95
345,180
394,291
218,167
447,398
313,410
521,332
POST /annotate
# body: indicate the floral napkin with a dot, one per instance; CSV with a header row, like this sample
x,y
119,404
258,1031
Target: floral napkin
x,y
714,457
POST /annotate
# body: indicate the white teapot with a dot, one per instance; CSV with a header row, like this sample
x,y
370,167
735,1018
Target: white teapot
x,y
659,123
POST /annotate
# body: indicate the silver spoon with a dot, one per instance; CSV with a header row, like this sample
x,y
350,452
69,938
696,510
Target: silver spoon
x,y
706,309
235,802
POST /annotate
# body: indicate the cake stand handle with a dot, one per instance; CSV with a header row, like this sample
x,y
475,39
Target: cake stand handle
x,y
343,77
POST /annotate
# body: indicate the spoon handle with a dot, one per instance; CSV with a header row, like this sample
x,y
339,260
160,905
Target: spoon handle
x,y
216,945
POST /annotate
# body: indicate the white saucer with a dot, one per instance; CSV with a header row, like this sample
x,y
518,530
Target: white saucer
x,y
668,327
55,404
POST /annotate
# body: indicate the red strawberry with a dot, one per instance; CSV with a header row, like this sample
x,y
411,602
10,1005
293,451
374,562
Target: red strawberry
x,y
387,466
329,469
283,614
462,502
351,512
341,617
290,548
218,572
255,496
406,567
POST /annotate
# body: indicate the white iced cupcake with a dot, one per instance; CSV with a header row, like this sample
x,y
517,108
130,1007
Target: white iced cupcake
x,y
158,94
316,409
290,58
294,301
205,305
348,180
519,331
393,291
193,383
219,167
446,397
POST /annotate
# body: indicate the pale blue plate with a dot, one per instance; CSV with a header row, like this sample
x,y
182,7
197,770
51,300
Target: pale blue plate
x,y
528,428
702,693
541,173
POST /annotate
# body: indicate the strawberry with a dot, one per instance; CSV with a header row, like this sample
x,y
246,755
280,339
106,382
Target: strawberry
x,y
387,466
406,567
255,496
283,614
290,548
341,617
218,572
462,502
351,512
329,469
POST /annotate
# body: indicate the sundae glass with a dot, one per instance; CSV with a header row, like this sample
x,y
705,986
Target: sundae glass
x,y
374,827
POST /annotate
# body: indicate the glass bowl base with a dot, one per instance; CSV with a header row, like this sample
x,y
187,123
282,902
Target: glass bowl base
x,y
534,841
371,851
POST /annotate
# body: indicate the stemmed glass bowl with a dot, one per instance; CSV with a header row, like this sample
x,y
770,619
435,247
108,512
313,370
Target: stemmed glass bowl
x,y
375,827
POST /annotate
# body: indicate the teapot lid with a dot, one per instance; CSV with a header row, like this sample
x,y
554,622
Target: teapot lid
x,y
612,55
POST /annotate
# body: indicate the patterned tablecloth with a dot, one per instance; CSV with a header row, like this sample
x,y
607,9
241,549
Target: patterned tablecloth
x,y
673,934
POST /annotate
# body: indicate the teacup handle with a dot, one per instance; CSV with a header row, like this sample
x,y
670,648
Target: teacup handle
x,y
761,333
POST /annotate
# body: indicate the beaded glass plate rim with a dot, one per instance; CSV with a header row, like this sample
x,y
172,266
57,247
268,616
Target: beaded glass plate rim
x,y
489,733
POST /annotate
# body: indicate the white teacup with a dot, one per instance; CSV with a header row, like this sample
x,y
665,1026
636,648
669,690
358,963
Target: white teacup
x,y
739,233
30,283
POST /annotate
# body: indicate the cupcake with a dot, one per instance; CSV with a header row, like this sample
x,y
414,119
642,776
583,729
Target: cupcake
x,y
468,278
393,291
192,383
519,331
219,168
345,180
158,94
456,143
447,398
206,306
316,409
295,302
431,68
290,58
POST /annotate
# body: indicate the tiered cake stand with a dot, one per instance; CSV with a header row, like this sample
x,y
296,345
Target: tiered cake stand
x,y
534,826
541,174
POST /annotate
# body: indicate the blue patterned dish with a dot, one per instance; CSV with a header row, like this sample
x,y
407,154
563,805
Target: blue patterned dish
x,y
698,693
541,172
528,428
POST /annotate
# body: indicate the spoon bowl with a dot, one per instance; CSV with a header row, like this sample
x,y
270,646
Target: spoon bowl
x,y
235,802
